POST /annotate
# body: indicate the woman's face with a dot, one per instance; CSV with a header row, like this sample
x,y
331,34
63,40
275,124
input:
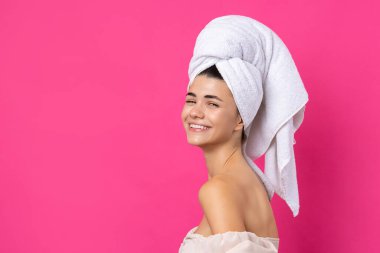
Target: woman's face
x,y
210,106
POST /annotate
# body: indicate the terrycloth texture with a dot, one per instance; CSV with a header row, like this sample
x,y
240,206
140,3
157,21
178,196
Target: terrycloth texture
x,y
267,89
228,242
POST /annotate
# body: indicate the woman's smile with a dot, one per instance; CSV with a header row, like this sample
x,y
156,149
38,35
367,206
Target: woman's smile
x,y
197,128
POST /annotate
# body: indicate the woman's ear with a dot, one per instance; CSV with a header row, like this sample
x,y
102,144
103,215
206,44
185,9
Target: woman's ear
x,y
240,124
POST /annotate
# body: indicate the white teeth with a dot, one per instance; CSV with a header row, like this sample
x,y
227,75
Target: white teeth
x,y
198,126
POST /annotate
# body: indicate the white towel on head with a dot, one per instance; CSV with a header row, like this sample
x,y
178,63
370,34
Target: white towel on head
x,y
268,91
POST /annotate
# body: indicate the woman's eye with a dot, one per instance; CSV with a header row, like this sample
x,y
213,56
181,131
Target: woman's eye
x,y
189,101
215,105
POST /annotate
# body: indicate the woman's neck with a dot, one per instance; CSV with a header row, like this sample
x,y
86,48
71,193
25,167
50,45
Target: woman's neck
x,y
222,159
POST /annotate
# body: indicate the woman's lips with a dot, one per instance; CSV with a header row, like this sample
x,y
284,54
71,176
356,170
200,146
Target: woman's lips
x,y
197,130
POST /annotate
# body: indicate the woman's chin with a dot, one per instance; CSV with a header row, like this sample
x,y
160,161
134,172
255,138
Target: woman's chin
x,y
196,142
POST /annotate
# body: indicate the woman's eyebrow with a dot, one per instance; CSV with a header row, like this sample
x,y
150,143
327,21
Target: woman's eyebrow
x,y
206,96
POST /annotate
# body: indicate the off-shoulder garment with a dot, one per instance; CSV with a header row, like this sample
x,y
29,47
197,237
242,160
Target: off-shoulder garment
x,y
228,242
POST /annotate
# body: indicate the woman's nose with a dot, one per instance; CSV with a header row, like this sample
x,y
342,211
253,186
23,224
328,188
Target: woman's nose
x,y
197,111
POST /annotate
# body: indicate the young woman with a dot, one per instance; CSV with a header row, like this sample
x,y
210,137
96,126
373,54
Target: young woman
x,y
244,98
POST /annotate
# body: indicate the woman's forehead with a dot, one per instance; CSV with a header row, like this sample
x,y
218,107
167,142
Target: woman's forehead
x,y
204,85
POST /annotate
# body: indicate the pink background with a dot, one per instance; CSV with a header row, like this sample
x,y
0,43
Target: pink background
x,y
93,156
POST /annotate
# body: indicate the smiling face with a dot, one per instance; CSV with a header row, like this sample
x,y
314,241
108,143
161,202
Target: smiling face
x,y
211,107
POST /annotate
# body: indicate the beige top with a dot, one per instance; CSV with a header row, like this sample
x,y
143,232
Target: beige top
x,y
228,242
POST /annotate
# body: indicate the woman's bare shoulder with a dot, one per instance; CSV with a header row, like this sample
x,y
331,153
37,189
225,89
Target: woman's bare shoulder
x,y
221,205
